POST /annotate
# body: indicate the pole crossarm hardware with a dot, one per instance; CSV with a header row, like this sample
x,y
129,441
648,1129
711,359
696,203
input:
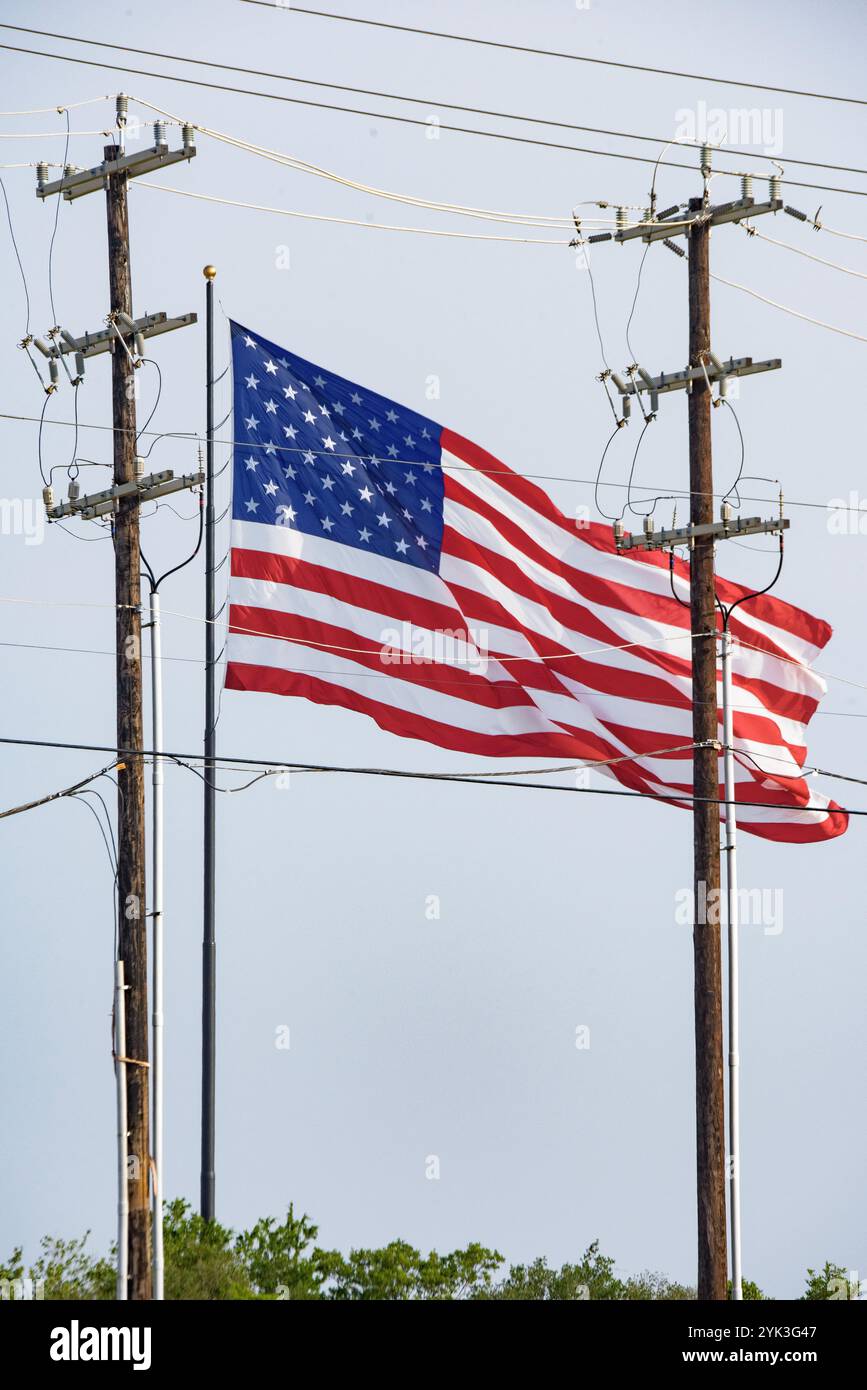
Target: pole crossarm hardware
x,y
101,503
76,183
687,535
90,344
714,370
681,225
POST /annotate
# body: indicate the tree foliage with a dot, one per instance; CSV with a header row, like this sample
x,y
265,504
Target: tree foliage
x,y
830,1282
282,1260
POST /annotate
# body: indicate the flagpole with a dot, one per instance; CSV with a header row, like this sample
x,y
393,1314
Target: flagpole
x,y
733,932
209,1011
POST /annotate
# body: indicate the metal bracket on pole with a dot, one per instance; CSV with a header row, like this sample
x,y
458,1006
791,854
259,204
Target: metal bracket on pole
x,y
714,370
90,344
680,225
102,503
76,185
687,535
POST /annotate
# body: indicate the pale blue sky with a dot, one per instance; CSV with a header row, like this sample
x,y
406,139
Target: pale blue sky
x,y
456,1037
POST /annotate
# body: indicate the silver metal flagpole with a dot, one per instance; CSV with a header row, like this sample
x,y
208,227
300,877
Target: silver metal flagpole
x,y
731,831
158,1092
209,944
122,1127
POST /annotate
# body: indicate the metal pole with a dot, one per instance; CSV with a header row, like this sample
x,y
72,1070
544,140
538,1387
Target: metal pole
x,y
733,927
120,1076
209,1007
158,924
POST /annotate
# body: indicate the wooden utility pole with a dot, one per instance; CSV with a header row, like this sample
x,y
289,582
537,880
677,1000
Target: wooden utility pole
x,y
124,338
704,370
130,734
707,948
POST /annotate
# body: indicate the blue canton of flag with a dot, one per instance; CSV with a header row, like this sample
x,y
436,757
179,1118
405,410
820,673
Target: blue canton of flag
x,y
314,453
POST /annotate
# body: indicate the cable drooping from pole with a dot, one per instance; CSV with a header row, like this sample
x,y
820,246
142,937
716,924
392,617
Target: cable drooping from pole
x,y
55,796
734,486
18,259
648,420
54,318
671,797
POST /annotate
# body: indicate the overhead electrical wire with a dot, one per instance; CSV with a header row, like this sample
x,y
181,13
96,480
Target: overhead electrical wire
x,y
189,436
366,651
786,309
49,134
648,420
823,227
316,217
500,135
632,356
414,100
304,166
67,106
325,646
391,116
598,479
55,796
78,792
54,235
18,259
473,780
554,53
629,347
541,221
799,251
732,284
739,475
108,841
369,675
351,221
107,838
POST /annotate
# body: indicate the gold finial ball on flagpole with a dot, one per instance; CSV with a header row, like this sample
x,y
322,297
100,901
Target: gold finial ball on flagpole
x,y
209,272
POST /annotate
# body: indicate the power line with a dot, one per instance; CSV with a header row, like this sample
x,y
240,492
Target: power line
x,y
371,675
189,436
18,259
823,227
55,796
504,660
58,110
391,116
49,134
411,200
540,241
367,651
467,779
572,57
784,308
414,100
799,251
352,221
54,233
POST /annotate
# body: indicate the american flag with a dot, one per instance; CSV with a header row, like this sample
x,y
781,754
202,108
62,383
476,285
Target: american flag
x,y
385,564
